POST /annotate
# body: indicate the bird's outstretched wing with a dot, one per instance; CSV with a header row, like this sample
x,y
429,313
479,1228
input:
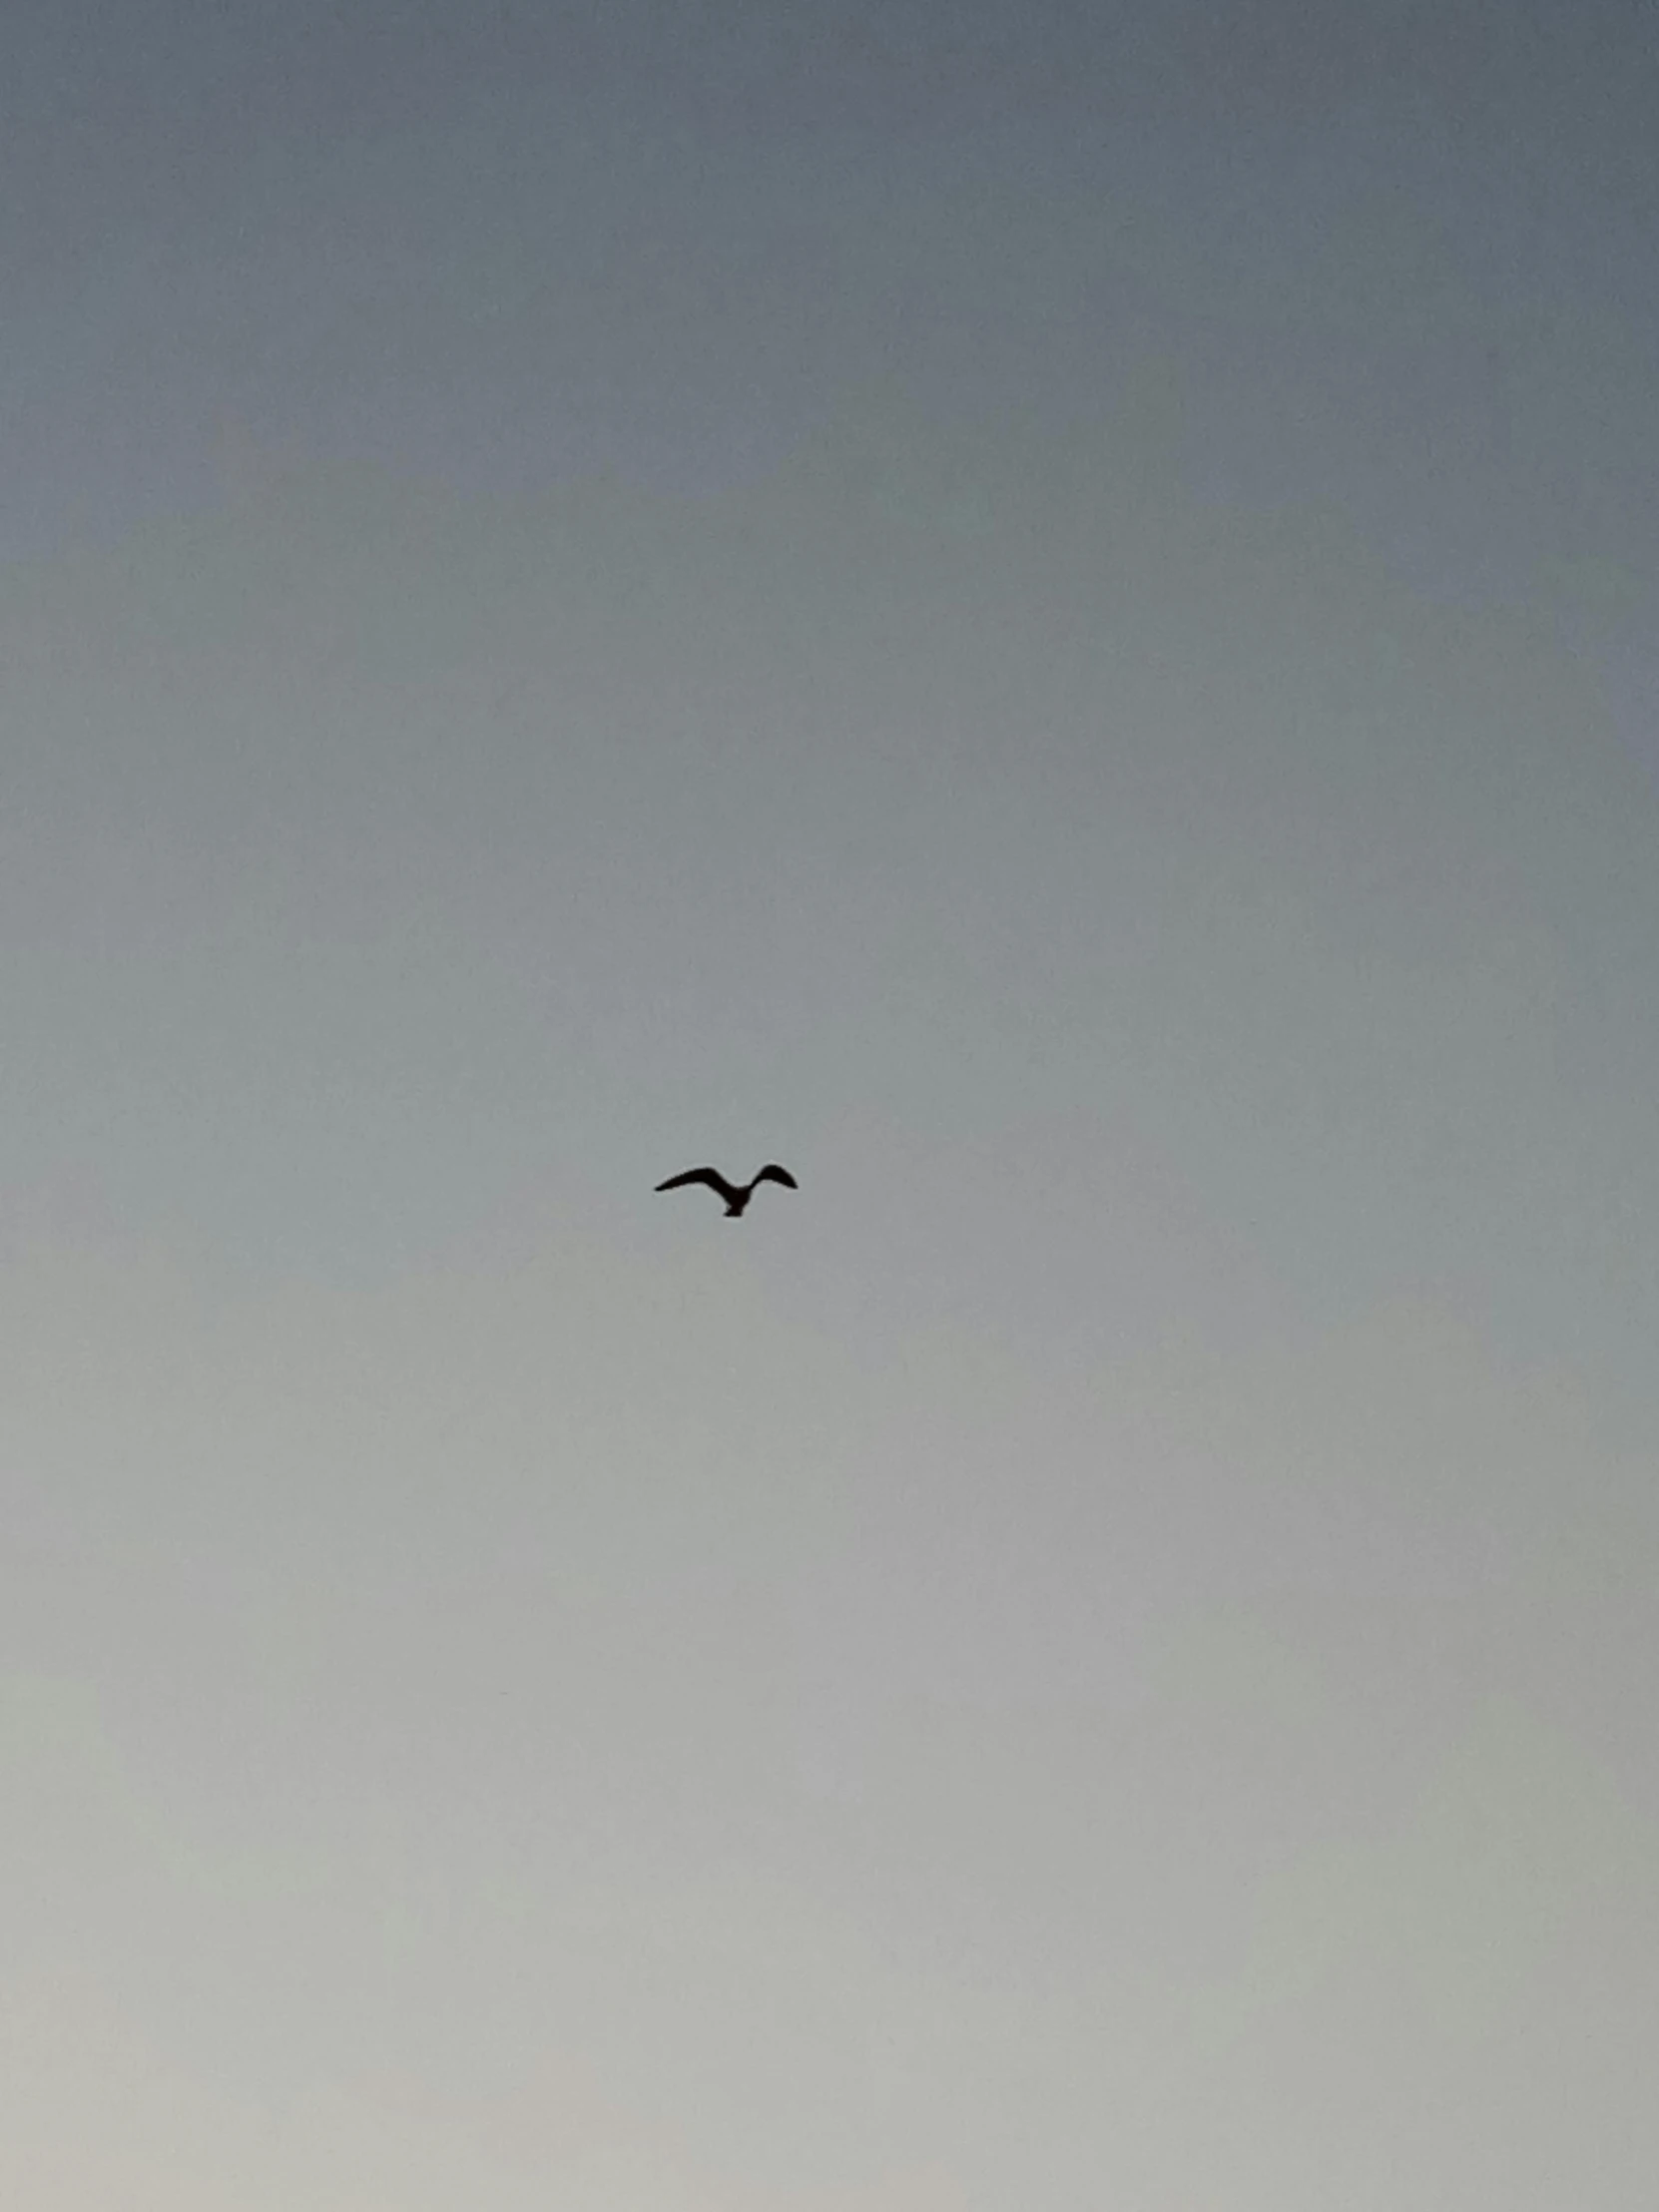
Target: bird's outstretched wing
x,y
773,1173
712,1176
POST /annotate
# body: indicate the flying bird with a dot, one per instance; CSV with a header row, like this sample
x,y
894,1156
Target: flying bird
x,y
735,1195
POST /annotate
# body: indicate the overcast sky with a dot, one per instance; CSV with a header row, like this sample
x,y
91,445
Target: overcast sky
x,y
1046,613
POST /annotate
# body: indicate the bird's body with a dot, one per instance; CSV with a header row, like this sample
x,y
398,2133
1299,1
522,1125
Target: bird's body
x,y
735,1195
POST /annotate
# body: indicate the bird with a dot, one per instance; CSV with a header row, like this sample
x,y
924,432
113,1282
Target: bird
x,y
735,1195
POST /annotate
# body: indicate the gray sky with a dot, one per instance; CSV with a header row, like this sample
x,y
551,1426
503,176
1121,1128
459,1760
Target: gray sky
x,y
1048,615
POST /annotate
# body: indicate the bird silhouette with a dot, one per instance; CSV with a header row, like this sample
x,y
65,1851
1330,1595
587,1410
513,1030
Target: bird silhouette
x,y
735,1195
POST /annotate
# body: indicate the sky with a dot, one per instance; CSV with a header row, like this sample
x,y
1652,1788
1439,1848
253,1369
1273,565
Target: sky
x,y
1046,614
